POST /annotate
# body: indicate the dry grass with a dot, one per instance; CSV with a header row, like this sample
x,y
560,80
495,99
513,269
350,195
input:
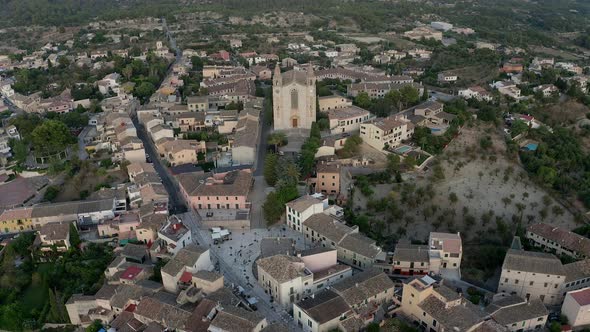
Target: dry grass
x,y
480,190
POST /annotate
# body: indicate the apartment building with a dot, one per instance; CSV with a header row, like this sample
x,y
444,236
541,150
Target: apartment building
x,y
333,102
410,259
353,248
516,314
532,275
197,103
327,180
288,279
178,273
558,240
382,133
576,307
16,220
347,119
180,151
299,209
321,312
227,190
436,307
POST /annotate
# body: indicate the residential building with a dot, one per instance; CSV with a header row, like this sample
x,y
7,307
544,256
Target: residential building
x,y
576,307
442,26
172,237
217,191
558,240
476,92
353,248
16,220
246,136
178,273
294,99
197,103
435,307
321,312
333,102
447,77
532,275
547,90
288,279
445,252
191,121
56,235
347,120
423,32
411,259
261,72
327,179
180,151
300,209
383,133
231,319
366,292
379,89
518,315
512,67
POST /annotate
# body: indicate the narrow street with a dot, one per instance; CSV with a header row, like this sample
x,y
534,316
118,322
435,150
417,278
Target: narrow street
x,y
234,272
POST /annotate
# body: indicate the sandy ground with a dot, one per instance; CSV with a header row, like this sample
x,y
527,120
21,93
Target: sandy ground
x,y
484,182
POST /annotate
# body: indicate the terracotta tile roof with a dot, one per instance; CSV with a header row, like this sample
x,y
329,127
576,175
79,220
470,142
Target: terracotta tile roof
x,y
324,306
282,268
460,317
187,256
234,183
15,214
520,260
581,296
55,231
236,319
577,270
520,312
347,113
303,203
168,315
566,239
363,286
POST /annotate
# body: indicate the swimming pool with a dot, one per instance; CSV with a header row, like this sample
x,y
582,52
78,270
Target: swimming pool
x,y
403,149
531,146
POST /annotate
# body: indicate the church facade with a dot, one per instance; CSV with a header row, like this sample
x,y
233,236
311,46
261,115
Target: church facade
x,y
294,99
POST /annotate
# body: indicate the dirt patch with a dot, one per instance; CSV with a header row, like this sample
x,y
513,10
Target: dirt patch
x,y
483,194
88,180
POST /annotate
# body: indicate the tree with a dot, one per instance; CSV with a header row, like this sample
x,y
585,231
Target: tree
x,y
74,236
363,100
51,137
20,150
51,193
94,327
277,139
145,90
393,163
409,95
127,72
425,94
453,198
351,146
270,165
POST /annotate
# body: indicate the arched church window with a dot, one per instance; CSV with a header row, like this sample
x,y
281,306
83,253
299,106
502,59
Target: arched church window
x,y
294,99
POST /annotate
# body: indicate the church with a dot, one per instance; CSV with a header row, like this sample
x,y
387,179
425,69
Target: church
x,y
294,99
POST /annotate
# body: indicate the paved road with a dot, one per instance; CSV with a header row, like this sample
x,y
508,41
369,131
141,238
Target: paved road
x,y
238,274
262,146
82,154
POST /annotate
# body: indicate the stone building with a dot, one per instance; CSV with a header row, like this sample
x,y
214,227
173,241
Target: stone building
x,y
294,99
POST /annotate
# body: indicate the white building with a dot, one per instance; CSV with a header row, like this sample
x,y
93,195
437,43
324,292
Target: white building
x,y
576,307
385,132
299,209
178,272
175,235
442,26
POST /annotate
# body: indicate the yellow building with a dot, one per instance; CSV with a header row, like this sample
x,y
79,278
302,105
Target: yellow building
x,y
16,220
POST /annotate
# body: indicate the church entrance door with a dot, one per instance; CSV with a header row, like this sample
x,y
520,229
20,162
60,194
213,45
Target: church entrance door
x,y
294,122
